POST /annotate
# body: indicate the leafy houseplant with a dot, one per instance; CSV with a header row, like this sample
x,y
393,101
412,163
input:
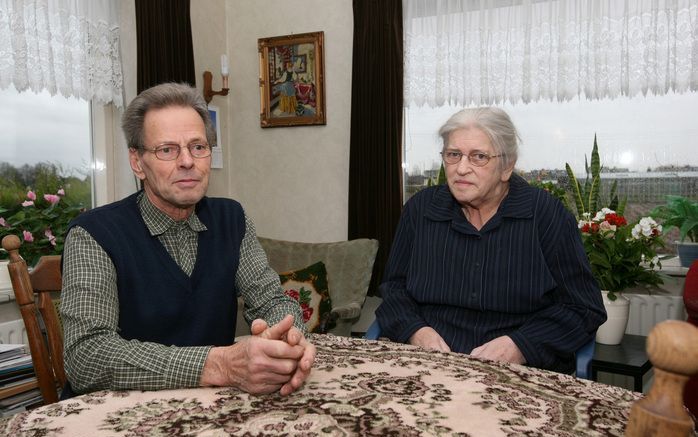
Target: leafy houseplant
x,y
40,222
618,252
588,197
681,213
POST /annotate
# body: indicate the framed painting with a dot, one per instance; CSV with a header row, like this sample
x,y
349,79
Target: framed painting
x,y
292,80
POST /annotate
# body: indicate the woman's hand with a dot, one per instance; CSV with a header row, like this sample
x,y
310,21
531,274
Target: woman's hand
x,y
428,338
500,349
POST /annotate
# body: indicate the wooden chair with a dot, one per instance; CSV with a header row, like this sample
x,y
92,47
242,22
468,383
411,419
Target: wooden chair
x,y
33,292
673,349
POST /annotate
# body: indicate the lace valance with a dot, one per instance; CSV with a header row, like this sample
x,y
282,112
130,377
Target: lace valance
x,y
464,52
66,47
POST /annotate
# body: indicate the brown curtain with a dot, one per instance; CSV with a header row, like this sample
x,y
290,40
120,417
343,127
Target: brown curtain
x,y
375,161
165,51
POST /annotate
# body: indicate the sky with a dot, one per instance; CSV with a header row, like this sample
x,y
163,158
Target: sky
x,y
40,128
634,133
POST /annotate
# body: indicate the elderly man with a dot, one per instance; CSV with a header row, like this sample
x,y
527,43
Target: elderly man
x,y
150,283
487,264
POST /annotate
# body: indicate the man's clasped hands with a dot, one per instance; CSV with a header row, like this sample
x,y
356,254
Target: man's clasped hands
x,y
274,358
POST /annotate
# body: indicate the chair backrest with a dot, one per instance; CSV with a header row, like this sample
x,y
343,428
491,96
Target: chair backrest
x,y
690,293
690,300
582,357
33,293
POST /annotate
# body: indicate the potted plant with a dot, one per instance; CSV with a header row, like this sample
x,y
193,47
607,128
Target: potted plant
x,y
40,222
588,198
682,213
621,255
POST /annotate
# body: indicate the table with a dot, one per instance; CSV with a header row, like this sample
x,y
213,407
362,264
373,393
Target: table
x,y
627,358
357,387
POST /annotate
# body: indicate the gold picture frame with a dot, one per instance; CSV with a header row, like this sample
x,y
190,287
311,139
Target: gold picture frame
x,y
292,80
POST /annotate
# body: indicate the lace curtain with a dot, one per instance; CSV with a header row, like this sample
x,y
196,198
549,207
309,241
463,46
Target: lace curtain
x,y
66,47
464,52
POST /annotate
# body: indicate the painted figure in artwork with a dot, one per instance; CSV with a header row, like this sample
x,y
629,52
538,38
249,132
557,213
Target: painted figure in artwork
x,y
285,84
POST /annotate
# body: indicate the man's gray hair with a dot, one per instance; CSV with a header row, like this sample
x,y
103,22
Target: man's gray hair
x,y
163,96
495,123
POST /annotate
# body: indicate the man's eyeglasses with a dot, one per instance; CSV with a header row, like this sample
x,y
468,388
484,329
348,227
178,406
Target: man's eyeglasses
x,y
478,159
170,152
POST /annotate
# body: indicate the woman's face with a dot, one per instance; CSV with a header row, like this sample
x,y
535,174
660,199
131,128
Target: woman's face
x,y
474,186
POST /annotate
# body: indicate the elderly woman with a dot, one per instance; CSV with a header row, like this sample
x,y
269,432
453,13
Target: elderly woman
x,y
489,265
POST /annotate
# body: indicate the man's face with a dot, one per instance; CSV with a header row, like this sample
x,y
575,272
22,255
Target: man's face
x,y
173,186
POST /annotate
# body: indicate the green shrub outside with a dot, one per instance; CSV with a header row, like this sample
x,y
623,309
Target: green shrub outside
x,y
41,225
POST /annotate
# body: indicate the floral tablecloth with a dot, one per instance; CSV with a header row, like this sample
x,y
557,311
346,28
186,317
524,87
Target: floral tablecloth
x,y
358,387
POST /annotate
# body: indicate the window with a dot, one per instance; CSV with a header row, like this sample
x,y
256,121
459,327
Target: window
x,y
647,144
46,146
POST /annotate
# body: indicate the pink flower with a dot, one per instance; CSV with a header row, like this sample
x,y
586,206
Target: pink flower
x,y
4,223
28,237
52,198
607,228
28,202
50,236
31,195
61,192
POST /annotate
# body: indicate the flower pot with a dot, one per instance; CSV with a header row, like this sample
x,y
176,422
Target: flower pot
x,y
688,252
617,311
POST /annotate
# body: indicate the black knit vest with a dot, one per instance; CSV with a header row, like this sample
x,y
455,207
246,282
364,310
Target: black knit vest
x,y
158,302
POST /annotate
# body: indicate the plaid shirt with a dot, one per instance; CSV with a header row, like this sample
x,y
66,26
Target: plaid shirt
x,y
97,358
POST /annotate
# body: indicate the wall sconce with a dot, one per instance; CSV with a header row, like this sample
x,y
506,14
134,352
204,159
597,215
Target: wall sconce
x,y
208,79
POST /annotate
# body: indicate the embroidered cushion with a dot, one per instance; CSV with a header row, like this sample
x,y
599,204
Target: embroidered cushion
x,y
309,287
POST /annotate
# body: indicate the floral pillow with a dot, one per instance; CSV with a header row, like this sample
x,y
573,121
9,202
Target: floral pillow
x,y
309,287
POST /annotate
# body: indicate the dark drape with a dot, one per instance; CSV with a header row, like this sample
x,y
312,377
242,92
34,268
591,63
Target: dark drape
x,y
375,161
165,51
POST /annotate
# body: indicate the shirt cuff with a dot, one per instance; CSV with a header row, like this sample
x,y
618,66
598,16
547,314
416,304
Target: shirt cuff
x,y
185,366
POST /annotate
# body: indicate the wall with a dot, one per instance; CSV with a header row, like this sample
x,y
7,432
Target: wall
x,y
292,181
209,38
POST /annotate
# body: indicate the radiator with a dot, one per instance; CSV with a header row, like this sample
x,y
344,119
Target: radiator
x,y
13,332
648,310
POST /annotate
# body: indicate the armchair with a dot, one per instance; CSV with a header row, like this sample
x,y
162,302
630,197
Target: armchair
x,y
349,266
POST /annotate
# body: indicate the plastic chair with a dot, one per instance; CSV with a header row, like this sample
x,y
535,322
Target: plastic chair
x,y
33,295
583,356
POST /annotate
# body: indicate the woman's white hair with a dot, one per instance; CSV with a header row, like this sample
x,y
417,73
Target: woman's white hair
x,y
495,123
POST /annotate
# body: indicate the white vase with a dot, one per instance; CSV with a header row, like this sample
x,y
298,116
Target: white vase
x,y
611,332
